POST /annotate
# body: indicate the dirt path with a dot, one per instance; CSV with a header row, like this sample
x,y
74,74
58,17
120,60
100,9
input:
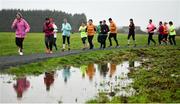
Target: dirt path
x,y
9,61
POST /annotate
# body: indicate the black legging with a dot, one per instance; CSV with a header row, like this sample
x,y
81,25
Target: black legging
x,y
114,35
54,43
160,37
68,39
19,43
131,34
90,38
49,41
172,38
150,38
103,40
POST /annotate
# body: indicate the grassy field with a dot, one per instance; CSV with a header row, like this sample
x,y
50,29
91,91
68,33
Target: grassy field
x,y
34,42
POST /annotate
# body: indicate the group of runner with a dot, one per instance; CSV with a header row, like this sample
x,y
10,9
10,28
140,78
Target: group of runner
x,y
88,31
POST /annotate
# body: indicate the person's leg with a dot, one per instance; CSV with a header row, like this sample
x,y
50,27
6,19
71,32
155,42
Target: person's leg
x,y
149,38
173,38
55,43
134,40
105,37
21,44
110,42
115,38
129,35
46,42
165,38
83,41
159,39
153,39
17,40
64,41
90,38
51,41
170,41
68,41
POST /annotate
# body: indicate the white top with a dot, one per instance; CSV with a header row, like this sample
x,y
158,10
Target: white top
x,y
55,30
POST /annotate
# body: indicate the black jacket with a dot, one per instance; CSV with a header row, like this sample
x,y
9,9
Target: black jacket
x,y
104,29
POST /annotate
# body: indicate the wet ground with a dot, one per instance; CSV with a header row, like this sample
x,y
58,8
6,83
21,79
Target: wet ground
x,y
69,84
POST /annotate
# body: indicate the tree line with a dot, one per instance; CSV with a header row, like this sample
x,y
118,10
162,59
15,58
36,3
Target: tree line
x,y
36,19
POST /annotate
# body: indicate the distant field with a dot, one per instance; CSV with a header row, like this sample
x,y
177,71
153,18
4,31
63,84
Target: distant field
x,y
34,42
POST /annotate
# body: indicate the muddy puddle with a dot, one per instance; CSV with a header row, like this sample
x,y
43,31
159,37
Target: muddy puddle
x,y
69,84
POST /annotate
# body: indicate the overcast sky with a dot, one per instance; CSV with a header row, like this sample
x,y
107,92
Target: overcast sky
x,y
119,10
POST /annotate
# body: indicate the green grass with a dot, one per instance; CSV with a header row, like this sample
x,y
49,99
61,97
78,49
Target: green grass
x,y
34,42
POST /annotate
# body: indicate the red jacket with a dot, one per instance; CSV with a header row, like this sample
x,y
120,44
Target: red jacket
x,y
48,29
161,30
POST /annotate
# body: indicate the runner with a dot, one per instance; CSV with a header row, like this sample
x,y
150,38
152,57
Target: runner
x,y
172,33
66,31
91,29
104,32
113,33
165,34
49,35
21,27
161,32
131,32
99,33
82,30
55,32
151,27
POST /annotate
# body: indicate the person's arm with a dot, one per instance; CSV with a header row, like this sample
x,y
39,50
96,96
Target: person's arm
x,y
95,28
69,27
14,24
62,29
26,26
79,29
55,28
107,28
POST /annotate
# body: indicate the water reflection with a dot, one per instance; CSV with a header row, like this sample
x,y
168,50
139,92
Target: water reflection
x,y
90,71
48,79
112,69
21,85
103,68
83,69
66,73
71,85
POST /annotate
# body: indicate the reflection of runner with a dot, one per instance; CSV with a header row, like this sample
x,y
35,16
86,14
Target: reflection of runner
x,y
66,73
83,69
90,71
131,63
49,79
22,84
112,69
103,69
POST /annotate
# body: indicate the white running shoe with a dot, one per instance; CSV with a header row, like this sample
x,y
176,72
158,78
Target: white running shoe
x,y
20,53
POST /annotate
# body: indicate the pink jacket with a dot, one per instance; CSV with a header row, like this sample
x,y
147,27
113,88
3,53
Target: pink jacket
x,y
21,27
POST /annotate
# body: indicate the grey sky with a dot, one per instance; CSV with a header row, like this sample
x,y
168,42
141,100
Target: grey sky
x,y
119,10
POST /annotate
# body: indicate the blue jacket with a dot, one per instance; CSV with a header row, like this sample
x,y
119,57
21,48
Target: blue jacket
x,y
66,29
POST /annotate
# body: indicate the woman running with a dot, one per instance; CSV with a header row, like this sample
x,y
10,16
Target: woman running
x,y
49,35
91,30
104,32
55,33
151,27
131,32
172,33
113,33
82,30
66,31
21,27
